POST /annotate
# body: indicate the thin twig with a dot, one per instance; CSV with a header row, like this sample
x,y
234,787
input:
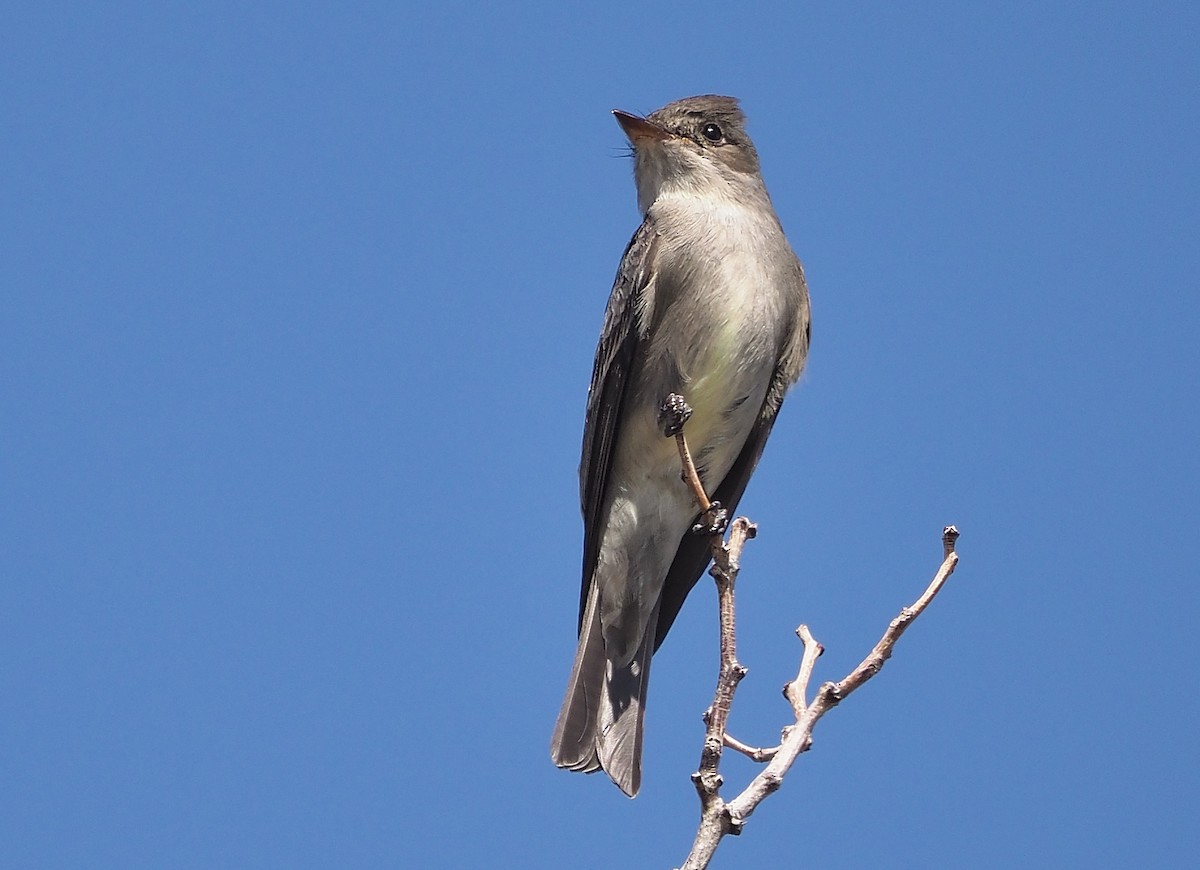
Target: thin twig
x,y
754,753
715,820
797,690
690,476
799,738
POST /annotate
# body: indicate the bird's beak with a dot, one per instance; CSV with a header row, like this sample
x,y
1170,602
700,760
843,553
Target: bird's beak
x,y
639,129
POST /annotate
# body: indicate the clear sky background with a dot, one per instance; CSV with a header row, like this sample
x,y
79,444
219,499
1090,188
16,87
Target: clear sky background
x,y
299,306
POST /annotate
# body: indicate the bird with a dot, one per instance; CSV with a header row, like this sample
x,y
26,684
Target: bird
x,y
709,303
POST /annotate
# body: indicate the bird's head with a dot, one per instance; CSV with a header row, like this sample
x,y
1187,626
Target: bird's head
x,y
694,145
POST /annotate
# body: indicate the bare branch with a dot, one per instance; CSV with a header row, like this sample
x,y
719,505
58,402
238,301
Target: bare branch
x,y
718,817
726,565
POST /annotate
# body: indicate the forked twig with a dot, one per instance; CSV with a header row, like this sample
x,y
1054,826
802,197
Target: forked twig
x,y
718,817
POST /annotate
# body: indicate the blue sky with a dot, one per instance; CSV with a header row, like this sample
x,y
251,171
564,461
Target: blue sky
x,y
299,306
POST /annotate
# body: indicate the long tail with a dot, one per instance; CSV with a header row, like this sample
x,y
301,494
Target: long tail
x,y
601,722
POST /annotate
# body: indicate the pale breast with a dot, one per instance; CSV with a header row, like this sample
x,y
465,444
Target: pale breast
x,y
718,327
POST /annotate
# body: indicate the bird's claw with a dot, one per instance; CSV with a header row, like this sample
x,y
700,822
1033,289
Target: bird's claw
x,y
713,521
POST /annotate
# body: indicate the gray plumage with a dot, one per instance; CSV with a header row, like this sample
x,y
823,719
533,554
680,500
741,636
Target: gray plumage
x,y
709,302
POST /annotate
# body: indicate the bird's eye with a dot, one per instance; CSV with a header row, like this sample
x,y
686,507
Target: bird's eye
x,y
712,132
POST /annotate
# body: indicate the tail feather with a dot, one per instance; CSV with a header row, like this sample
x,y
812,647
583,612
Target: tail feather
x,y
602,719
622,717
573,745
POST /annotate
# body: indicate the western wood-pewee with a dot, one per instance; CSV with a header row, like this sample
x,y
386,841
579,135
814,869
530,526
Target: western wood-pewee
x,y
709,302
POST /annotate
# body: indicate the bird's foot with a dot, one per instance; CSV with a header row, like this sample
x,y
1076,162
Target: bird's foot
x,y
713,521
673,414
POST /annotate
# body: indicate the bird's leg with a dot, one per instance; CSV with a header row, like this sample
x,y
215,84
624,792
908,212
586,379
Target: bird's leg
x,y
672,416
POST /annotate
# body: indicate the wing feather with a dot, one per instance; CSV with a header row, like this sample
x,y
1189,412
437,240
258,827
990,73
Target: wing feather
x,y
616,356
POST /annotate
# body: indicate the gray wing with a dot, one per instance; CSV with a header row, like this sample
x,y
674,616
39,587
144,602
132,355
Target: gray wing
x,y
694,552
615,358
